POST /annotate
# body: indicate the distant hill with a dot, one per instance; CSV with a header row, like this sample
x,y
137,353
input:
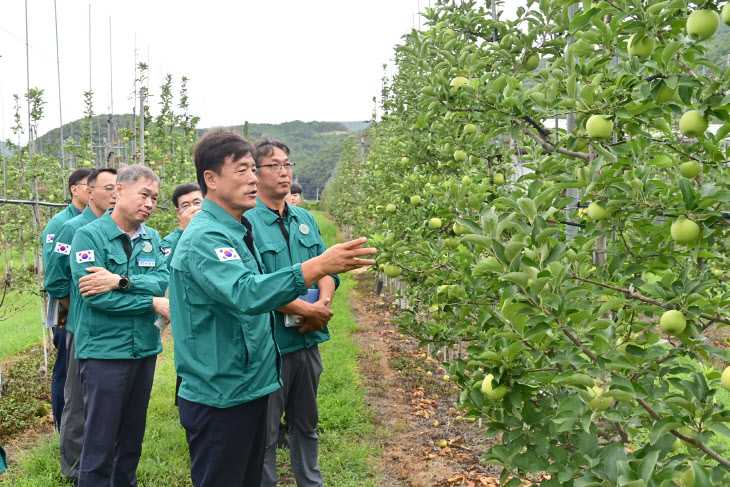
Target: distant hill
x,y
315,146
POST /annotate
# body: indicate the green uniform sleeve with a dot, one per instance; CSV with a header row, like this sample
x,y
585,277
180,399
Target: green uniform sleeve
x,y
151,283
233,283
58,271
47,239
114,301
321,247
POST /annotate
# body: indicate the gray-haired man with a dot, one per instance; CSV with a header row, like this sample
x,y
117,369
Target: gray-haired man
x,y
116,340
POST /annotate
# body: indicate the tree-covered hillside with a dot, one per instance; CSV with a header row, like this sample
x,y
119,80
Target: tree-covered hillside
x,y
315,146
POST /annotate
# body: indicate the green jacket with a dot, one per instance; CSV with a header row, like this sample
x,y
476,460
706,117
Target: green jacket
x,y
220,306
117,324
168,244
305,242
58,268
49,233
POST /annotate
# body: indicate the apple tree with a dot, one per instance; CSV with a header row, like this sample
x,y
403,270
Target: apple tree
x,y
571,264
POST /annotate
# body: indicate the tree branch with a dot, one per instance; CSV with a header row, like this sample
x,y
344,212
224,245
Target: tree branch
x,y
688,439
551,148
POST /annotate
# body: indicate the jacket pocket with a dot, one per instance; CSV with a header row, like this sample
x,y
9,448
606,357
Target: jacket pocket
x,y
116,264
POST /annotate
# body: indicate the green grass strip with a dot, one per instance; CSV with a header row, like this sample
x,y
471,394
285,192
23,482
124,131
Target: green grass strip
x,y
348,450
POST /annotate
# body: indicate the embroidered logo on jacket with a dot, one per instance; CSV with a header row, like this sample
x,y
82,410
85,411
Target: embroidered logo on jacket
x,y
304,229
146,247
62,248
84,256
227,254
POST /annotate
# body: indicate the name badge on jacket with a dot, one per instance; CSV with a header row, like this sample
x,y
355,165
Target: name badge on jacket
x,y
146,262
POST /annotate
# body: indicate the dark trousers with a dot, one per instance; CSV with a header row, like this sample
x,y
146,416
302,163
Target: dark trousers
x,y
116,396
226,444
58,379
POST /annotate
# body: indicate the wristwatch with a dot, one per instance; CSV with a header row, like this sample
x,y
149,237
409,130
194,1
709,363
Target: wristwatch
x,y
123,283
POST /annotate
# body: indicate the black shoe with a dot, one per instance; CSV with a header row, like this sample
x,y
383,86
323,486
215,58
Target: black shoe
x,y
281,440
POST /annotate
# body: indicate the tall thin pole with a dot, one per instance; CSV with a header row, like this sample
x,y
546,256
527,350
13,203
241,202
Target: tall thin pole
x,y
572,230
60,110
89,47
111,67
27,76
36,215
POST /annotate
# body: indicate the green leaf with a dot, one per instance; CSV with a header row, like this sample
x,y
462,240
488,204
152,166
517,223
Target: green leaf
x,y
688,194
661,427
572,378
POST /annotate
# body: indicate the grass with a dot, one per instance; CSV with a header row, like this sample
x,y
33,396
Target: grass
x,y
348,452
23,330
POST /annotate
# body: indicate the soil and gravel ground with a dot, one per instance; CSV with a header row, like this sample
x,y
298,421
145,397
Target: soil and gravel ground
x,y
414,407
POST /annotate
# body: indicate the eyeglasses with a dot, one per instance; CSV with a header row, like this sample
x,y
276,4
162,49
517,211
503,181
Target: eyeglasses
x,y
108,188
274,168
186,205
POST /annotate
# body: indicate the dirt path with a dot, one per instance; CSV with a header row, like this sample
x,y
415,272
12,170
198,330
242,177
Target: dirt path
x,y
414,407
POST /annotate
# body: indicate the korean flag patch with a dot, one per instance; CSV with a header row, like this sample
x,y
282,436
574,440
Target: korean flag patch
x,y
50,237
227,254
62,248
84,256
166,251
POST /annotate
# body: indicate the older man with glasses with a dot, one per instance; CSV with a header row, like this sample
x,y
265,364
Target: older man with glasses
x,y
100,195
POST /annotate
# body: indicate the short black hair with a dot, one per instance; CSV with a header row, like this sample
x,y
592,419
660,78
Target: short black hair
x,y
295,189
265,146
182,190
213,148
78,175
95,174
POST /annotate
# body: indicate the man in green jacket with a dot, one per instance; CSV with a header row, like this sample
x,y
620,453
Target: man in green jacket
x,y
221,302
116,340
286,235
79,200
186,199
58,283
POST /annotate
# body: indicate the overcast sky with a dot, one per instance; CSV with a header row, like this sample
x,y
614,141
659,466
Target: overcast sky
x,y
263,61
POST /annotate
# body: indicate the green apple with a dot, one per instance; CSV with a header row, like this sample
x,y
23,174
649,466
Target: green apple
x,y
693,124
460,156
458,82
415,200
449,32
684,230
474,159
725,14
702,24
434,179
443,444
673,322
470,129
641,45
451,243
688,477
146,133
599,127
666,94
717,272
380,209
390,208
392,270
598,212
434,223
690,169
460,229
487,388
532,62
725,379
598,402
465,180
498,178
126,139
405,160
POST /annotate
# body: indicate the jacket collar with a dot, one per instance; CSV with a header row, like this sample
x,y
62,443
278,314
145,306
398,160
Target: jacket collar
x,y
112,231
268,216
89,214
217,212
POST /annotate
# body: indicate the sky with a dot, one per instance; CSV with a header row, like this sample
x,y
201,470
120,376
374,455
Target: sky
x,y
263,61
